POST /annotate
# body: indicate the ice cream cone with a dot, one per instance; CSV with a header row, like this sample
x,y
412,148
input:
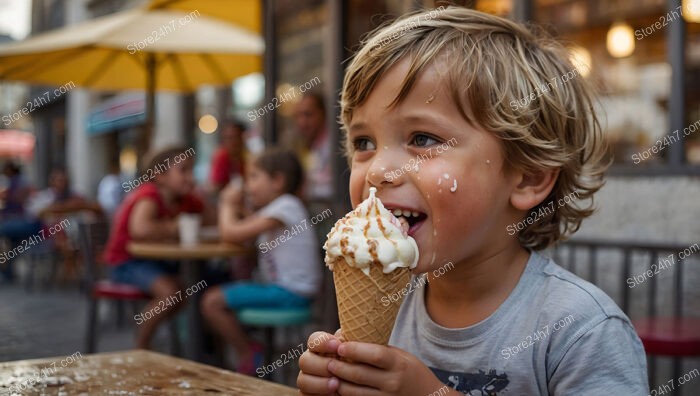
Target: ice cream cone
x,y
371,256
368,305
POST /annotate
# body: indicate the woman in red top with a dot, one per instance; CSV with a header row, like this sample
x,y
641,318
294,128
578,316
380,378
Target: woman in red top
x,y
150,213
227,160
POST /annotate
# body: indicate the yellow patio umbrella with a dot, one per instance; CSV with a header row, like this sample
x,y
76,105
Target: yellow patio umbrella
x,y
144,48
243,13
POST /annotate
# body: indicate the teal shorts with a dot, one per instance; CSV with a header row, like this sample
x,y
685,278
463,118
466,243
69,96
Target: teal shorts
x,y
240,295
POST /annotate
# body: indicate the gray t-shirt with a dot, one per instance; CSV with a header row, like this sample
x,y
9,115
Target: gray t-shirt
x,y
290,254
556,334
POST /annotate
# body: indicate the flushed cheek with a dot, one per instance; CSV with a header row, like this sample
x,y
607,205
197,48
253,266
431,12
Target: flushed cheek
x,y
357,182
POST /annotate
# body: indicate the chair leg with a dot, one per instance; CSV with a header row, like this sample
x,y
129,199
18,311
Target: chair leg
x,y
174,337
31,271
120,314
269,334
92,325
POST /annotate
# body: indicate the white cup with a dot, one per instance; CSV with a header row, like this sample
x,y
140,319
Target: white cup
x,y
189,225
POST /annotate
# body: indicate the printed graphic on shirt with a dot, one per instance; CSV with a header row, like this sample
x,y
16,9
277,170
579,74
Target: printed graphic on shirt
x,y
475,384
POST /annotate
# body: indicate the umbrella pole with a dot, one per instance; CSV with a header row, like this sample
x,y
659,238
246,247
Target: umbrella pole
x,y
147,134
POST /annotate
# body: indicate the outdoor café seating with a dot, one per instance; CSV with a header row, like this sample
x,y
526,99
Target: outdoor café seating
x,y
662,324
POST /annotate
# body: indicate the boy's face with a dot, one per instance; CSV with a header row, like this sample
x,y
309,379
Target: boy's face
x,y
459,189
179,178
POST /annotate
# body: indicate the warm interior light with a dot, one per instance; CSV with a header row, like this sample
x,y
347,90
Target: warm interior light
x,y
208,123
620,41
581,59
128,160
691,10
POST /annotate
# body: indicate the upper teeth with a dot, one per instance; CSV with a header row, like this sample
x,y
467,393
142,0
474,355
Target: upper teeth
x,y
405,213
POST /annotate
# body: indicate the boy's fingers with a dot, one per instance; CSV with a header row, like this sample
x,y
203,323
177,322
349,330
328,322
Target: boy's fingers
x,y
314,364
357,373
313,385
362,352
349,389
322,342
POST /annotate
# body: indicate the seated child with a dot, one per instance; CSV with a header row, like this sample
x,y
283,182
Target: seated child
x,y
288,258
442,91
149,213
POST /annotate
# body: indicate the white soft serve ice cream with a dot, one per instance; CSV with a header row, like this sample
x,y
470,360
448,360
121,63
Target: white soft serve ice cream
x,y
369,234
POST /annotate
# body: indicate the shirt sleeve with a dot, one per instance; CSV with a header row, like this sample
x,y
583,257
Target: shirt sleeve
x,y
284,209
608,359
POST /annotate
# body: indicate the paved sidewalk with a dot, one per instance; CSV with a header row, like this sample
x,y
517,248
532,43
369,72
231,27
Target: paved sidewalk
x,y
46,323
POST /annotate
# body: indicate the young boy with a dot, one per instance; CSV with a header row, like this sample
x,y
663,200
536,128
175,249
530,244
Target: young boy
x,y
502,319
149,213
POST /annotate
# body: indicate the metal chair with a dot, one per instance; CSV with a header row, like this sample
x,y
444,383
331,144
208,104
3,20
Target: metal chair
x,y
675,335
93,237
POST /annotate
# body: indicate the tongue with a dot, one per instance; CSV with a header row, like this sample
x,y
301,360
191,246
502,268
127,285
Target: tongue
x,y
404,225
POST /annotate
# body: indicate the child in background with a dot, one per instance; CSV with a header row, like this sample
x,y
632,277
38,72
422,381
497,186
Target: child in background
x,y
503,319
289,262
149,213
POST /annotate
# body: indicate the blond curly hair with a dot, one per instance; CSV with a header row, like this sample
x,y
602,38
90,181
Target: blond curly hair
x,y
510,80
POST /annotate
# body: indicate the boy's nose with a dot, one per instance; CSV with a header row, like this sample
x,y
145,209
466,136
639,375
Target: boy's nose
x,y
384,171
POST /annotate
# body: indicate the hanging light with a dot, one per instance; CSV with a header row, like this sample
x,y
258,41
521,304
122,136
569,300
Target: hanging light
x,y
208,123
581,59
691,10
620,41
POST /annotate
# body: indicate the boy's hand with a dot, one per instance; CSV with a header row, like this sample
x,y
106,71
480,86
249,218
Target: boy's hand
x,y
314,377
379,370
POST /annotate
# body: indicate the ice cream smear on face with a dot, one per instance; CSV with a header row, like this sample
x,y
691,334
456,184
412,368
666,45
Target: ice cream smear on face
x,y
371,234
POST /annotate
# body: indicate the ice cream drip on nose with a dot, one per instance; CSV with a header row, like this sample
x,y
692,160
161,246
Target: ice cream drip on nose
x,y
371,234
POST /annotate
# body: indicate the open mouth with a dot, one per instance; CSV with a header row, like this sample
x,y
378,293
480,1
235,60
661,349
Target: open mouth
x,y
412,217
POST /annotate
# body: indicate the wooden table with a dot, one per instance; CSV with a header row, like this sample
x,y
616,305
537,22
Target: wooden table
x,y
175,251
136,372
190,257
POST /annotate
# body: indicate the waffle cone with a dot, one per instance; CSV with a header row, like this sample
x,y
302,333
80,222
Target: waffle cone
x,y
368,305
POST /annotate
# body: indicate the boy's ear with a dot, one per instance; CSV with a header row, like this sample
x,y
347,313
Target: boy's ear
x,y
533,188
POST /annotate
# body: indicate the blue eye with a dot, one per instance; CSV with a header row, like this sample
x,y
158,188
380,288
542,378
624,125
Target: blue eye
x,y
363,144
423,140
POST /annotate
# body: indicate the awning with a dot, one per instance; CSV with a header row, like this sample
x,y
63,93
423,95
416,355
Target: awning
x,y
16,144
120,112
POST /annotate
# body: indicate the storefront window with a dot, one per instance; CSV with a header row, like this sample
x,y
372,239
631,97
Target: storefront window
x,y
302,40
625,43
691,14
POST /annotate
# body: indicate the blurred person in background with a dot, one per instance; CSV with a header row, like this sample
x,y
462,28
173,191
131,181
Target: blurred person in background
x,y
14,224
110,191
289,261
16,193
58,199
149,213
227,162
315,150
56,203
